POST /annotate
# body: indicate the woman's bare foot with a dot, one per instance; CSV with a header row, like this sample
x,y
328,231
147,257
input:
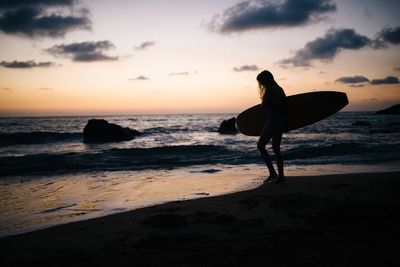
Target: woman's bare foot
x,y
281,180
271,177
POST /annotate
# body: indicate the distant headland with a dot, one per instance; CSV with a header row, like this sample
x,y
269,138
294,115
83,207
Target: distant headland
x,y
391,110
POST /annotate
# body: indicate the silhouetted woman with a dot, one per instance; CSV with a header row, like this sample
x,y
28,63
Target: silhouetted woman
x,y
272,96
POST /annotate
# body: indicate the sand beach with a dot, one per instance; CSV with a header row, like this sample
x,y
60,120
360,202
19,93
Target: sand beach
x,y
333,220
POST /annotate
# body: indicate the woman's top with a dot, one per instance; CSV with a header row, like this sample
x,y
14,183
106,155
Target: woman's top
x,y
273,97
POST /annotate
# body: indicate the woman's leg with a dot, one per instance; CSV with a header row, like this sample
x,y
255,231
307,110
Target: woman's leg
x,y
276,146
262,143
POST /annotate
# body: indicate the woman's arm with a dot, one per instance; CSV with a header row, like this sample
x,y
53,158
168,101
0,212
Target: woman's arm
x,y
264,102
268,101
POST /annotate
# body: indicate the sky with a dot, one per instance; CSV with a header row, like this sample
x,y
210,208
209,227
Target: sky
x,y
92,57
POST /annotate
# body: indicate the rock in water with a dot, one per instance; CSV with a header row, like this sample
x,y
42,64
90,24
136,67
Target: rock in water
x,y
100,131
228,126
392,110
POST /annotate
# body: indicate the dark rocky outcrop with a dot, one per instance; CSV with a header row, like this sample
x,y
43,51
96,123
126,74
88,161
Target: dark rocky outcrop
x,y
228,126
392,110
101,131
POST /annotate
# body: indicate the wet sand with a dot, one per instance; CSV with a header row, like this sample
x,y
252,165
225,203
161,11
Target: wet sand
x,y
335,220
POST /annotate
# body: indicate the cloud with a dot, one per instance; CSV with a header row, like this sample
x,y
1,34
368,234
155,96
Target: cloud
x,y
353,79
326,48
140,78
396,69
183,73
45,88
34,18
19,3
370,99
7,89
246,68
387,80
84,51
258,14
387,36
26,64
144,45
361,81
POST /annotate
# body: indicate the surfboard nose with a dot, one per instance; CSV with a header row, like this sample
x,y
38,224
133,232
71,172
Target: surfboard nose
x,y
347,100
342,98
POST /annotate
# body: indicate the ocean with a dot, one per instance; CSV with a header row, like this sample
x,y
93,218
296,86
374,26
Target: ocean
x,y
48,176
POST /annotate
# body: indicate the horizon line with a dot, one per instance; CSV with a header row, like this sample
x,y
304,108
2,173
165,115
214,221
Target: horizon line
x,y
140,114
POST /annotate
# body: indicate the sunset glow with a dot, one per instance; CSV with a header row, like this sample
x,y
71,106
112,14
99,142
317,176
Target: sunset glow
x,y
148,57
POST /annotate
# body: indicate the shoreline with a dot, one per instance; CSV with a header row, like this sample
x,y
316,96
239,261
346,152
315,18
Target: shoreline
x,y
326,220
39,202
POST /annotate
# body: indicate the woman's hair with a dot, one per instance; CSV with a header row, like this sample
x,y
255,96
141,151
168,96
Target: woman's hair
x,y
265,78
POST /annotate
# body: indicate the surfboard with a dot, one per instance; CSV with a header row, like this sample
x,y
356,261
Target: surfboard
x,y
298,110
